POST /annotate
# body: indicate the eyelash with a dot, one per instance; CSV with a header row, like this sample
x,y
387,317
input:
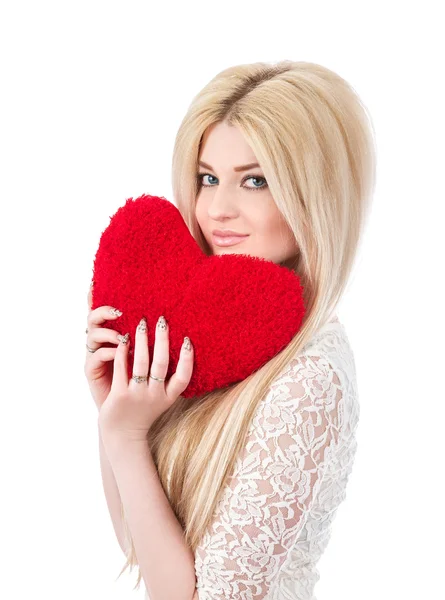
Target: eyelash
x,y
254,189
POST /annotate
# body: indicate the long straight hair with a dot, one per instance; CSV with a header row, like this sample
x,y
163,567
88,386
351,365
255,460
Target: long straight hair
x,y
315,142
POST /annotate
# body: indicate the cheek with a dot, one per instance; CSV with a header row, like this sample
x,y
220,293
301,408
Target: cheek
x,y
278,231
201,219
271,224
199,213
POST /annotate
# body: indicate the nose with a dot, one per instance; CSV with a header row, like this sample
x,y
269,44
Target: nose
x,y
222,205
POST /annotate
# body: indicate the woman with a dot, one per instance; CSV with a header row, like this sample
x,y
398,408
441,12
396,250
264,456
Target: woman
x,y
254,473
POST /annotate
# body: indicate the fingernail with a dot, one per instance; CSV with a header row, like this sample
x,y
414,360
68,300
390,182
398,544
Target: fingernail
x,y
142,325
116,312
123,338
187,344
162,323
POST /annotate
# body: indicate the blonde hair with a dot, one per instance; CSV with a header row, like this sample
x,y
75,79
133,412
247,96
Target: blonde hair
x,y
314,140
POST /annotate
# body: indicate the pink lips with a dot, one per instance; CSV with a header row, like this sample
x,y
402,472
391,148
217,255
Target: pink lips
x,y
228,240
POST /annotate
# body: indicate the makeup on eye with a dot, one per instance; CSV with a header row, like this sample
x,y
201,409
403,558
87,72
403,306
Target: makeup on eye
x,y
200,176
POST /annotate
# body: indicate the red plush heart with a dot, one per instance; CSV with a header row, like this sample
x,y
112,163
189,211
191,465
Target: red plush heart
x,y
239,311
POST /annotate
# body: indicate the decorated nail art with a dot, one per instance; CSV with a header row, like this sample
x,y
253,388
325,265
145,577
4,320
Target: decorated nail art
x,y
123,338
142,327
162,323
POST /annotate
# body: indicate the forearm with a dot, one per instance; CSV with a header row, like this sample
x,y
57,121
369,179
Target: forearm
x,y
166,562
112,495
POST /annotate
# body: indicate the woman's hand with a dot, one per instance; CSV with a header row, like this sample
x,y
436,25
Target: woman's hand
x,y
98,366
132,407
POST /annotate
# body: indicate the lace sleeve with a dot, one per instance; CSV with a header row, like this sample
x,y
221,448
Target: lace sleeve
x,y
276,478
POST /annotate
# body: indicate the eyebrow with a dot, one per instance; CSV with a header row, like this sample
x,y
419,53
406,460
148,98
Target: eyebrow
x,y
241,168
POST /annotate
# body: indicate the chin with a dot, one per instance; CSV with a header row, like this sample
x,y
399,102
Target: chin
x,y
228,250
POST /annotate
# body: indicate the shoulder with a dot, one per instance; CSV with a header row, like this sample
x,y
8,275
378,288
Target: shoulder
x,y
319,368
332,343
315,391
332,355
302,400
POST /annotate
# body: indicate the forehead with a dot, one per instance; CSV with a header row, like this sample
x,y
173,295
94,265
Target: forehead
x,y
224,145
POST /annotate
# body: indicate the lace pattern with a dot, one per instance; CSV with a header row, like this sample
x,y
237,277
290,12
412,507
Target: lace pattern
x,y
286,485
274,519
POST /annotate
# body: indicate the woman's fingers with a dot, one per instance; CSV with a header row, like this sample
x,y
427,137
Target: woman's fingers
x,y
183,374
101,314
96,360
120,373
159,365
99,335
161,351
141,356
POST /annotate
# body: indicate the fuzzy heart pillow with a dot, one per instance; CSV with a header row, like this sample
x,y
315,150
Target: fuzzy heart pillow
x,y
239,311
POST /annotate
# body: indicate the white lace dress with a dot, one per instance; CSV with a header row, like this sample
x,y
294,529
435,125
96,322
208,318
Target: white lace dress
x,y
274,519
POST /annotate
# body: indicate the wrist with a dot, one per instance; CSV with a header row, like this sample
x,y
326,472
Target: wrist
x,y
118,445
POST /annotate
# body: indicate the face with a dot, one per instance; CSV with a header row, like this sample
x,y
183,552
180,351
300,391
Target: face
x,y
233,197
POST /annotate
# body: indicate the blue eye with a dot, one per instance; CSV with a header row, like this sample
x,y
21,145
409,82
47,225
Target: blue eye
x,y
200,177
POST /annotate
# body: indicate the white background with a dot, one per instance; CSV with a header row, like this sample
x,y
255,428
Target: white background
x,y
92,94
